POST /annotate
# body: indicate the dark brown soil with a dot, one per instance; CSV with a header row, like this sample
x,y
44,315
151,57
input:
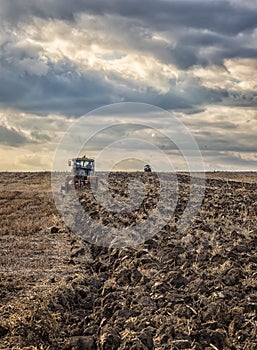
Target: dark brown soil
x,y
195,289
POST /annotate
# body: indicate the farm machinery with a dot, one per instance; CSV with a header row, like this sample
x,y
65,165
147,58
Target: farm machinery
x,y
82,174
147,168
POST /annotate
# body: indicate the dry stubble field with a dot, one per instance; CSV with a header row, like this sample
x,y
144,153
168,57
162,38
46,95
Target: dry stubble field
x,y
190,290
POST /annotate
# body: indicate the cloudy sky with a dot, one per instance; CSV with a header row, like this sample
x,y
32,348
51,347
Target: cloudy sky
x,y
62,59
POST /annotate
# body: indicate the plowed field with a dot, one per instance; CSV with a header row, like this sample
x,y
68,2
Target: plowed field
x,y
192,289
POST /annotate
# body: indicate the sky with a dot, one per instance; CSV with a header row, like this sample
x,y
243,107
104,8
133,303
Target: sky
x,y
62,59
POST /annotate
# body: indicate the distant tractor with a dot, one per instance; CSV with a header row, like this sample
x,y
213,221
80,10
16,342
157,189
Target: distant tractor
x,y
82,174
147,168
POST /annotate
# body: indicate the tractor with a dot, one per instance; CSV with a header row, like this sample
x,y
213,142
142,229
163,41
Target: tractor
x,y
147,168
82,174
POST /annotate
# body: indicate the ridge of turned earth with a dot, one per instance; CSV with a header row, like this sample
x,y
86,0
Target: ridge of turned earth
x,y
195,289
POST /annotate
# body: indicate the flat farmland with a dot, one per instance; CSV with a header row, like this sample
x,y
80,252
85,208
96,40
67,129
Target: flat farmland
x,y
179,289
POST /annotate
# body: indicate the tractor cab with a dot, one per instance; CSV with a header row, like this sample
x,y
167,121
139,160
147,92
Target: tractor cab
x,y
82,166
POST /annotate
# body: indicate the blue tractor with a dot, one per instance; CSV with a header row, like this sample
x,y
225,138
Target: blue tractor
x,y
82,173
147,168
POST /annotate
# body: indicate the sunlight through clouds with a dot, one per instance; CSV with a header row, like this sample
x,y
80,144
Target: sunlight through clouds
x,y
60,60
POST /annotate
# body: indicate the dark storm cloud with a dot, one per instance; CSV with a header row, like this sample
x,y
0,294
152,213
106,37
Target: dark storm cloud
x,y
192,95
218,16
71,93
32,85
217,47
17,10
12,137
193,24
62,89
